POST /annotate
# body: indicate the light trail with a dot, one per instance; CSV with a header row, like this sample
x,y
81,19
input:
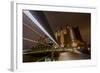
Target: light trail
x,y
39,25
32,29
30,40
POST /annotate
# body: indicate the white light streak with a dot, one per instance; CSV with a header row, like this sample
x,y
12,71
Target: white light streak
x,y
30,40
38,24
32,29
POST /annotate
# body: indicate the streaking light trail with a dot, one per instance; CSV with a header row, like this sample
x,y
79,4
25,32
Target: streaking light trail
x,y
32,29
38,24
30,40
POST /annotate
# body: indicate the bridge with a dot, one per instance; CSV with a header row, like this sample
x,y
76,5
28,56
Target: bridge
x,y
51,50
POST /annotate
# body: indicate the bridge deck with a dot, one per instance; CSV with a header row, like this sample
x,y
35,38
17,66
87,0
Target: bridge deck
x,y
50,50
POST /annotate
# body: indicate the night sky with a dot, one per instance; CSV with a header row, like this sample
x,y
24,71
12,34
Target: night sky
x,y
75,19
58,19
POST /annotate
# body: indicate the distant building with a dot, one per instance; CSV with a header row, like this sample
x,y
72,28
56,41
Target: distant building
x,y
69,36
